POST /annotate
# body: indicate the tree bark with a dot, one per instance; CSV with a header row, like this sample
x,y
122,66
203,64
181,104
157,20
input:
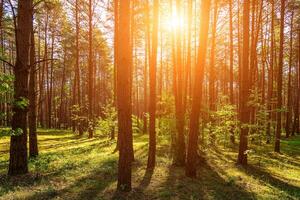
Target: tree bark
x,y
90,75
289,113
279,79
181,152
18,143
190,168
152,82
124,98
33,145
244,88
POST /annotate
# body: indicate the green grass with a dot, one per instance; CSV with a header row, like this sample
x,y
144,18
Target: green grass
x,y
70,167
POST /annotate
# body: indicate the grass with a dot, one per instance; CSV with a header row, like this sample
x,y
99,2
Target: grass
x,y
70,167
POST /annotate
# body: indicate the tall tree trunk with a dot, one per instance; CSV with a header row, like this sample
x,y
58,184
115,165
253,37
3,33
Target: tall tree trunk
x,y
33,145
18,143
124,98
231,53
181,152
77,92
152,82
270,76
289,112
90,75
296,128
190,168
244,89
116,29
212,71
50,85
279,79
147,47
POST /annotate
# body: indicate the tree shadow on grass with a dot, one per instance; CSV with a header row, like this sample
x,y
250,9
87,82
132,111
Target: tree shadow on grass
x,y
86,187
208,185
10,183
146,179
292,191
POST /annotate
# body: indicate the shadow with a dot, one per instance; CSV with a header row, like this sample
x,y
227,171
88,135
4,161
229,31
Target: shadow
x,y
86,187
73,142
146,179
9,183
209,184
292,191
262,175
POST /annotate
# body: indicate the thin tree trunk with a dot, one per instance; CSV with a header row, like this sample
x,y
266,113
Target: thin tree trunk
x,y
279,79
33,145
244,90
152,82
289,112
181,152
90,75
191,169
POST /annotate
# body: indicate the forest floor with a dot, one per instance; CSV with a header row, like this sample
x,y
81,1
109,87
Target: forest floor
x,y
70,167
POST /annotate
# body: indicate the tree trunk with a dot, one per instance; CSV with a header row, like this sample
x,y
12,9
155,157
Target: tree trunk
x,y
181,152
33,145
244,88
90,75
270,77
296,128
152,100
124,97
289,112
279,79
18,143
190,168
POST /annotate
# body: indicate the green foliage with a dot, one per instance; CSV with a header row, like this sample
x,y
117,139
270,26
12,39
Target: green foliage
x,y
21,103
108,122
166,115
11,132
6,85
258,127
6,88
77,117
224,121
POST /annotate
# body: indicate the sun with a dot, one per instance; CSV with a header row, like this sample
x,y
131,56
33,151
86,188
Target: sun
x,y
174,21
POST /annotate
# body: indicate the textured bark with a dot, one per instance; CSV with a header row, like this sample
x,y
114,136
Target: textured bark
x,y
231,53
18,144
152,82
181,152
289,113
124,98
244,88
90,74
33,144
116,29
190,168
279,80
296,127
212,70
270,76
147,51
77,85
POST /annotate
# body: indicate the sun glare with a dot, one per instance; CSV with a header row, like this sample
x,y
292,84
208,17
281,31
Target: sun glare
x,y
174,22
